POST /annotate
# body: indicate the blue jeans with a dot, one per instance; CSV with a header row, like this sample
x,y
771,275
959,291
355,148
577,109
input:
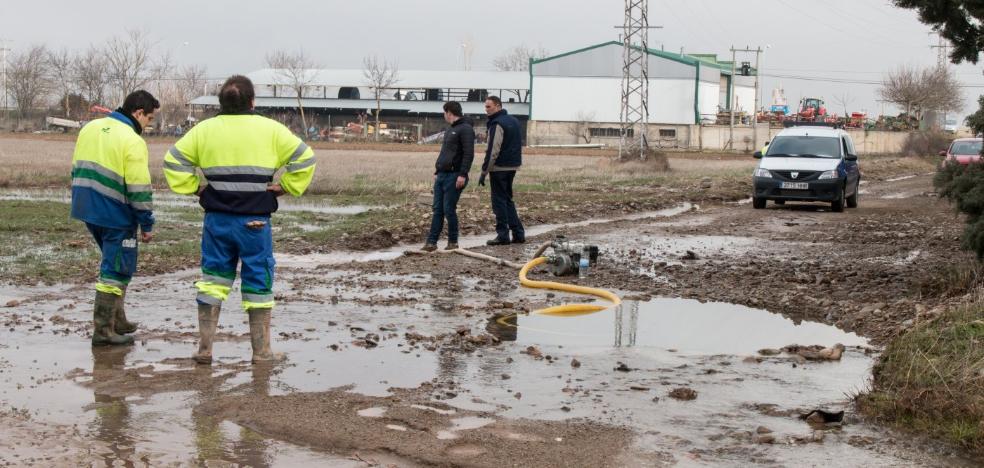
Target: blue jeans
x,y
227,241
445,206
506,218
119,257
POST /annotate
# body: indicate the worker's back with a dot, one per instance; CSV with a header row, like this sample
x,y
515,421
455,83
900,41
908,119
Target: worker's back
x,y
110,178
239,155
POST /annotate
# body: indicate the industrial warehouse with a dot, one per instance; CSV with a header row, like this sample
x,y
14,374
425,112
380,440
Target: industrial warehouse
x,y
578,88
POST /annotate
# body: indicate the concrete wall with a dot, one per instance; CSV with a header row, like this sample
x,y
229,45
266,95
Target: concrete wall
x,y
707,137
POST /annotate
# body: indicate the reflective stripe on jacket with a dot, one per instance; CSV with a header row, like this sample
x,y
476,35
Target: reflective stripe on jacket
x,y
110,176
239,154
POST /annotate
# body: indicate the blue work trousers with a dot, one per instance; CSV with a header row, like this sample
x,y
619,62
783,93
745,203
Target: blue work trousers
x,y
119,257
227,240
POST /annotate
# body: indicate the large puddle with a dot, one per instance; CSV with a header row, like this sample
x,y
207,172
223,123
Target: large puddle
x,y
628,360
683,325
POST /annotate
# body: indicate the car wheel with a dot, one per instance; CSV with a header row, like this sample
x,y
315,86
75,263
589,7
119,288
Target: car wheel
x,y
758,203
838,205
852,201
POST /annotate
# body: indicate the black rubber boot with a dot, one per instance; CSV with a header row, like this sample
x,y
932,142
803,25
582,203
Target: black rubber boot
x,y
103,333
208,321
259,335
121,324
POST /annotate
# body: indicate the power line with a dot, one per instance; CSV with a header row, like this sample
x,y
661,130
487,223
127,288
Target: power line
x,y
826,79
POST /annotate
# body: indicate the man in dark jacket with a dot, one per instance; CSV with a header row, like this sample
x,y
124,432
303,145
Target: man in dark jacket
x,y
503,157
451,175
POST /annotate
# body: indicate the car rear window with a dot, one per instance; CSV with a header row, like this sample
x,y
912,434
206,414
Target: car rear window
x,y
966,147
827,147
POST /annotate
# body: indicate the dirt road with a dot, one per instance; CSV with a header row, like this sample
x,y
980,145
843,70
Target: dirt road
x,y
414,361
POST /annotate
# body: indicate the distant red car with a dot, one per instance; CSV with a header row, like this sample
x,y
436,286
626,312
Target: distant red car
x,y
963,151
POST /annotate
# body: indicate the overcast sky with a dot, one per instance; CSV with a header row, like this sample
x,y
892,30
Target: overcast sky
x,y
830,41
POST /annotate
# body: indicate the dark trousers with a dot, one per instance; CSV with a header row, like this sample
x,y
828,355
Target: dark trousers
x,y
506,218
445,206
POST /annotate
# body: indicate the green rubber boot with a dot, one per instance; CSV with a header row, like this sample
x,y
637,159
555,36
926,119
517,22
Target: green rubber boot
x,y
259,336
122,325
103,333
208,321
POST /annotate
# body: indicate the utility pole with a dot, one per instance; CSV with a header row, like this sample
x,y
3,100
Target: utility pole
x,y
635,79
734,72
755,127
941,47
731,102
3,76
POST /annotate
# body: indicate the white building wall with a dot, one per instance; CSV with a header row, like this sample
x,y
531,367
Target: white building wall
x,y
561,99
744,99
710,93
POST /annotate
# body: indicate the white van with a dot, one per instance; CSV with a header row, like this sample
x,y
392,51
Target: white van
x,y
808,163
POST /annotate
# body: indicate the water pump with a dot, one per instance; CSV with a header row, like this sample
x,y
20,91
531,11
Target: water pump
x,y
566,258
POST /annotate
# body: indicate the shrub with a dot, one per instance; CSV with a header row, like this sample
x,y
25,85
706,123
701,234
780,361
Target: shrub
x,y
964,186
925,143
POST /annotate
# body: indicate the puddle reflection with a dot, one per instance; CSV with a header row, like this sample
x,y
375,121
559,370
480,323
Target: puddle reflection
x,y
113,419
687,326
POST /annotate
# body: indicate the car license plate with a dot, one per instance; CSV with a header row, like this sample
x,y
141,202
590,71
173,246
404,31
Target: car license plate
x,y
795,185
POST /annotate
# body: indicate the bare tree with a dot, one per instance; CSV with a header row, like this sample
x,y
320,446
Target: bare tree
x,y
921,90
298,70
191,83
61,66
580,127
28,79
164,88
91,71
844,100
129,62
380,75
518,58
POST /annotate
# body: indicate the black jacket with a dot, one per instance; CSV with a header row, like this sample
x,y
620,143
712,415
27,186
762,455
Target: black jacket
x,y
505,147
458,149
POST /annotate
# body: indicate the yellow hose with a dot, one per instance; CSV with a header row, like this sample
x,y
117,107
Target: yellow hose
x,y
568,310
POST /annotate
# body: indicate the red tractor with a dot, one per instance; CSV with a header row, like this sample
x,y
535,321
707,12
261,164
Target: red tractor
x,y
812,110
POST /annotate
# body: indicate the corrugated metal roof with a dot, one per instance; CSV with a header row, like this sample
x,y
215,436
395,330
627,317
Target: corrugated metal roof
x,y
407,79
413,107
688,59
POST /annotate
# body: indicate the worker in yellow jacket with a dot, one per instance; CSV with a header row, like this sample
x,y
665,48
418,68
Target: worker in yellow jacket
x,y
111,193
239,153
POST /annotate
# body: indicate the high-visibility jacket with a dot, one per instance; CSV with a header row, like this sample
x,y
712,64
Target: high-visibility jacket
x,y
239,154
110,177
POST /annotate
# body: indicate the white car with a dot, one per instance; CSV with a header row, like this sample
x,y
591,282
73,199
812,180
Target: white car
x,y
808,163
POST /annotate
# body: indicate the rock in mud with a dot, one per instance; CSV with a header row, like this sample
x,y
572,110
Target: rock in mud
x,y
575,363
622,367
816,352
13,303
533,352
690,255
823,417
765,439
769,352
763,430
684,394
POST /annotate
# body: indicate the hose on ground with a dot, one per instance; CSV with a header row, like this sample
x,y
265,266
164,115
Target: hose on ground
x,y
566,309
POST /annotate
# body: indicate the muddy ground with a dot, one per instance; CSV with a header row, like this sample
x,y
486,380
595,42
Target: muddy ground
x,y
410,360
